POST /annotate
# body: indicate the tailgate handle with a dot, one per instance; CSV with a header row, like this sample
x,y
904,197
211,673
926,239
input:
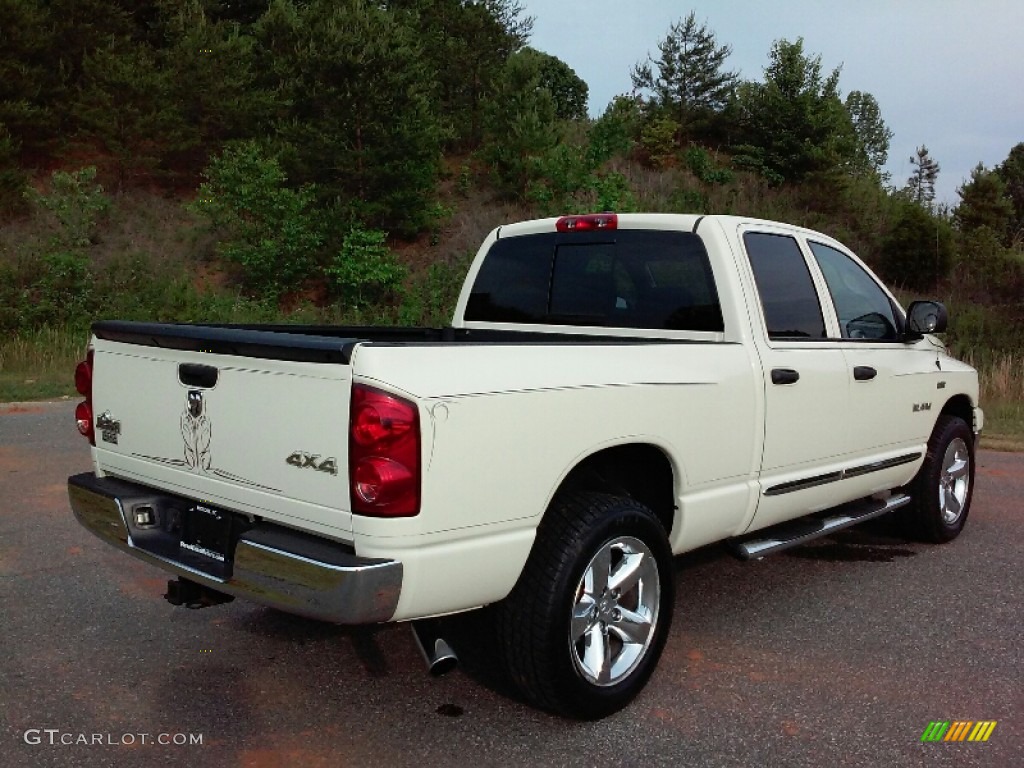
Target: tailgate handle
x,y
195,375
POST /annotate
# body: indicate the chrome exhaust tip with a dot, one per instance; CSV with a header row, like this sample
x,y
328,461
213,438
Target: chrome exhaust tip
x,y
438,654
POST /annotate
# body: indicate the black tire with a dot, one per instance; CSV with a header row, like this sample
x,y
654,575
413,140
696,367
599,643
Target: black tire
x,y
559,608
941,493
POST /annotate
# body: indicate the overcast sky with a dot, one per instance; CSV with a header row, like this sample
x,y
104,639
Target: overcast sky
x,y
946,73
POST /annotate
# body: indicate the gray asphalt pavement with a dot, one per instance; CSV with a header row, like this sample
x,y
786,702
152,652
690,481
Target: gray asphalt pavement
x,y
837,654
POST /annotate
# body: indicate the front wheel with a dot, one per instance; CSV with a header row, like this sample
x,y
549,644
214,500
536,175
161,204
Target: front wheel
x,y
943,488
583,629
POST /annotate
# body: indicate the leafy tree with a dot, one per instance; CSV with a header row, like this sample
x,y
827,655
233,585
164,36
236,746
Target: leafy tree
x,y
55,283
568,89
359,119
794,124
918,250
921,184
872,134
687,80
983,203
272,232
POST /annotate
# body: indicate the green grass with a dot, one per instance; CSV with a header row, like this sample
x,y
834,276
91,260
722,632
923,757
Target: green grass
x,y
41,364
37,365
1004,426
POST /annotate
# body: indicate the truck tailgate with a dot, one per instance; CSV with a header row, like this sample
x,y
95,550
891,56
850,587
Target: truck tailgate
x,y
253,434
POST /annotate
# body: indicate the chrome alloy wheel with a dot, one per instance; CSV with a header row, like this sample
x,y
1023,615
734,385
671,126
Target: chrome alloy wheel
x,y
615,612
954,481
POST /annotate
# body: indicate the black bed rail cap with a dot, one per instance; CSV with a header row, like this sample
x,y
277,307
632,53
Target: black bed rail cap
x,y
245,341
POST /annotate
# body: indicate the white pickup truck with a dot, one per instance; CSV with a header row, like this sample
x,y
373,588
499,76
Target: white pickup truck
x,y
614,389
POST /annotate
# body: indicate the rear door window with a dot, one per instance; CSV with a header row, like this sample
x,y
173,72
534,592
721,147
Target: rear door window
x,y
624,279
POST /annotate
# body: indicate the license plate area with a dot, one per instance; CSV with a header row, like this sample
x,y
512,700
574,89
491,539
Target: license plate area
x,y
206,531
197,535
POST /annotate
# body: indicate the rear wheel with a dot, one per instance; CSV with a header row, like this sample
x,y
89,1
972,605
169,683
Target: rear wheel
x,y
584,627
942,490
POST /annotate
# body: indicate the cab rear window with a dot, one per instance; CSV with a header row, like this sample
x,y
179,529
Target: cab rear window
x,y
623,279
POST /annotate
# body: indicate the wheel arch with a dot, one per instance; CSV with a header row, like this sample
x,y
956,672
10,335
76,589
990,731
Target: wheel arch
x,y
642,471
961,407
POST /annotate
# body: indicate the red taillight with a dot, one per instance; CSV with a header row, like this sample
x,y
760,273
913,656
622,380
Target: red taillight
x,y
383,454
83,412
83,377
83,417
591,222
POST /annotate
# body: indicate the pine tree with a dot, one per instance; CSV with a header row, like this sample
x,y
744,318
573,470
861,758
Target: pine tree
x,y
213,83
921,184
31,86
983,203
1011,171
358,112
794,125
520,124
687,79
124,105
465,45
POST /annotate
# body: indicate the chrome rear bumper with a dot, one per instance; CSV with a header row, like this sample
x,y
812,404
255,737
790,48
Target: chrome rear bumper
x,y
284,569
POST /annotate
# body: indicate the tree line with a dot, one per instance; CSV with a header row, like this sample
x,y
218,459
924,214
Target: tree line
x,y
313,127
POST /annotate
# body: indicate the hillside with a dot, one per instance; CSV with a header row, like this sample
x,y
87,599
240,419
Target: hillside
x,y
341,162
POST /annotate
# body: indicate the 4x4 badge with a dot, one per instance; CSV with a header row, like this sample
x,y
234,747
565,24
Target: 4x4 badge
x,y
313,461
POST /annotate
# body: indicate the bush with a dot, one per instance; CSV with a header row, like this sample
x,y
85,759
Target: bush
x,y
613,193
703,167
46,289
432,294
364,271
987,269
78,204
658,141
12,179
560,175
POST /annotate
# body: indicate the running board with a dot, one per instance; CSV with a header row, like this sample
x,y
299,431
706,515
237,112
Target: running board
x,y
796,532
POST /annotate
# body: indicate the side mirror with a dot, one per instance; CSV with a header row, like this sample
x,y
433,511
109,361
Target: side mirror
x,y
926,317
